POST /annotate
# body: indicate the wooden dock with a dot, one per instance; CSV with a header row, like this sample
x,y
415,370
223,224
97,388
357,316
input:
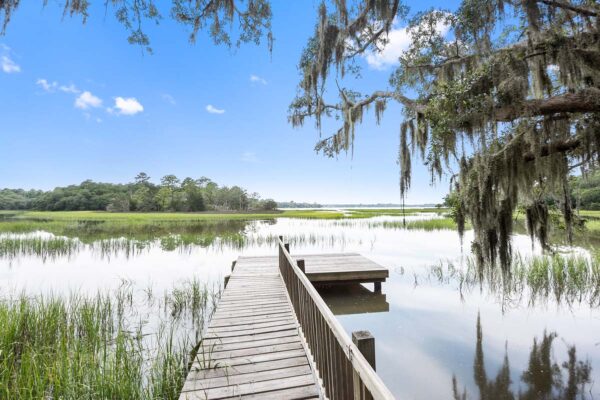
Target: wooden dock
x,y
252,348
340,268
255,346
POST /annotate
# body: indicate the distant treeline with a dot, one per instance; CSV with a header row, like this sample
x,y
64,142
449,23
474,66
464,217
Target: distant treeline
x,y
172,194
586,191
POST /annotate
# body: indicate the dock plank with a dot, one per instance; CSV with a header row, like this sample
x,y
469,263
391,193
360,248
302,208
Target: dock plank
x,y
252,347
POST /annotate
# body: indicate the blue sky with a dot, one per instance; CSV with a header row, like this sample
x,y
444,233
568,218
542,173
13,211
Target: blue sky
x,y
78,102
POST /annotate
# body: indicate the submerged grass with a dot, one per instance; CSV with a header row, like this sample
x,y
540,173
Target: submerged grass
x,y
56,247
102,346
556,278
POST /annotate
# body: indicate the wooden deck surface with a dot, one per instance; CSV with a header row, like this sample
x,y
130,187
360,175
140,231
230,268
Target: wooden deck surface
x,y
252,349
340,267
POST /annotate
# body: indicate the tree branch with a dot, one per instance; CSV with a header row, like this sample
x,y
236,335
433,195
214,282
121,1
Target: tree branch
x,y
577,9
412,104
553,148
585,100
375,36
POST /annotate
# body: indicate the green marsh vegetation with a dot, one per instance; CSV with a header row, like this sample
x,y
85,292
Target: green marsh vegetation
x,y
546,279
126,343
61,234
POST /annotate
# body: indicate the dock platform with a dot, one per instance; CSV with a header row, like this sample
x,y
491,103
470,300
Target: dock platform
x,y
341,268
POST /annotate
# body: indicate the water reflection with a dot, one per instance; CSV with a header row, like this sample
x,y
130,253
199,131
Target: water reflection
x,y
422,324
572,278
543,378
353,299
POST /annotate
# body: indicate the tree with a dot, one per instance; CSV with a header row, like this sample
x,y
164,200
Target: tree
x,y
217,17
514,111
119,204
143,199
163,198
269,205
142,179
170,184
193,195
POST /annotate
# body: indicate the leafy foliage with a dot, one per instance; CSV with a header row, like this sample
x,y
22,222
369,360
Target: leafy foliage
x,y
508,91
216,17
141,195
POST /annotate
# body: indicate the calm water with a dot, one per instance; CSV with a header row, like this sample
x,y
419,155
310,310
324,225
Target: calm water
x,y
428,329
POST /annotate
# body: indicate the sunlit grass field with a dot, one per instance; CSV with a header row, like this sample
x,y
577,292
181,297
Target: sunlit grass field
x,y
203,216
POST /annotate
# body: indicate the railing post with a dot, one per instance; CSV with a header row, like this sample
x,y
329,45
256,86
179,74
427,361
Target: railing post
x,y
366,344
300,263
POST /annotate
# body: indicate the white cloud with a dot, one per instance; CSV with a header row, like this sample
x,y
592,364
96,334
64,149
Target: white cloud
x,y
169,99
127,106
47,86
52,86
69,89
399,40
86,100
257,79
8,65
214,110
249,157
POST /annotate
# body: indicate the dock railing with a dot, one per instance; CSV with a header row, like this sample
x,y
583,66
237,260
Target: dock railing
x,y
344,371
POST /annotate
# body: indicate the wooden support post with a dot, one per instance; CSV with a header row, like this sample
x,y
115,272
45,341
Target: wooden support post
x,y
377,287
366,344
287,247
226,281
233,265
300,263
280,238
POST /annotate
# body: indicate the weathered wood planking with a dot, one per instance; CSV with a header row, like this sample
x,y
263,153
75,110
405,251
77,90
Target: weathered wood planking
x,y
338,267
252,348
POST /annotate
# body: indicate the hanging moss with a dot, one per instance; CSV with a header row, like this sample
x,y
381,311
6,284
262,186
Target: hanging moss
x,y
515,117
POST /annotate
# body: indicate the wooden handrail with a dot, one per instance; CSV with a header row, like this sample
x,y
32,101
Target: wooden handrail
x,y
345,373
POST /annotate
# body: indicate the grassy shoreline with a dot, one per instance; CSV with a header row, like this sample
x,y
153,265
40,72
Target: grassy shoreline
x,y
101,346
212,215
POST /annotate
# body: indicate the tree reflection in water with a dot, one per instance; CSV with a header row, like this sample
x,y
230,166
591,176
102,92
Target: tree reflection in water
x,y
543,378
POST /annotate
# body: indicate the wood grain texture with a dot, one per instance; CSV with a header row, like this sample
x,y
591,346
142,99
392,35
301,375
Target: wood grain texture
x,y
252,347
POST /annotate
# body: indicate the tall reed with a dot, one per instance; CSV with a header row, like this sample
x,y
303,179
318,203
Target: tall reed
x,y
111,345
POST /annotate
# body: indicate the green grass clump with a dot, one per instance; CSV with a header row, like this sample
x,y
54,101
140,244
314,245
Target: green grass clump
x,y
44,247
425,224
99,347
372,212
568,279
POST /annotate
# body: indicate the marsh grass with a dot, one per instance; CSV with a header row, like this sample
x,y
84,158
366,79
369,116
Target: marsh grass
x,y
558,279
52,248
101,346
44,247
